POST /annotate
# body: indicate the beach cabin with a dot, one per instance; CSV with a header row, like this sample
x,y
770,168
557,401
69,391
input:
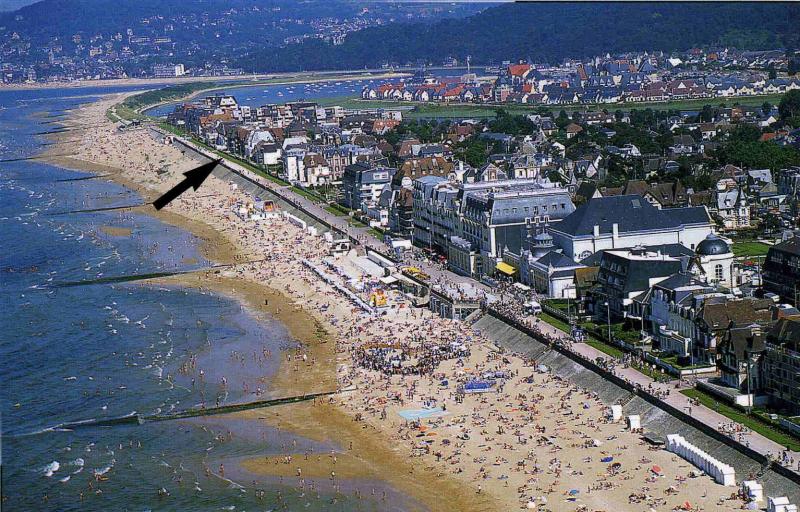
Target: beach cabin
x,y
634,422
616,413
780,504
340,246
753,490
719,471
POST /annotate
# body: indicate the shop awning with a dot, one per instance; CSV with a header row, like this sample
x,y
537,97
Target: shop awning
x,y
388,279
506,268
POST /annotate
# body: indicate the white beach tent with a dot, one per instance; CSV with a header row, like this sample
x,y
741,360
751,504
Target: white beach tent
x,y
754,490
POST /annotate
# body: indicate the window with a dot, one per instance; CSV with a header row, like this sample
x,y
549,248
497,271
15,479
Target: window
x,y
719,273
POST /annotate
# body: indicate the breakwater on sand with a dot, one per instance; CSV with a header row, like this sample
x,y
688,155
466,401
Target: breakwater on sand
x,y
117,349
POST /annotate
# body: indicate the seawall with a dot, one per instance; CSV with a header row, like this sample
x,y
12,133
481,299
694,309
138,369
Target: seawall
x,y
656,416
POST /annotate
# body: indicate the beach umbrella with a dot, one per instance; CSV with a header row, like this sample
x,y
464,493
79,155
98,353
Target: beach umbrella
x,y
606,459
531,505
657,470
574,492
686,506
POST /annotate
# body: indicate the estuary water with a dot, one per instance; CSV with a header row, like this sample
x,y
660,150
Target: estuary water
x,y
78,353
256,95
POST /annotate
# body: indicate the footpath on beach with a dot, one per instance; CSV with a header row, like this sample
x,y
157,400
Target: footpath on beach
x,y
666,392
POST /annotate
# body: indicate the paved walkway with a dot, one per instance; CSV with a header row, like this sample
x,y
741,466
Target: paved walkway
x,y
756,441
675,398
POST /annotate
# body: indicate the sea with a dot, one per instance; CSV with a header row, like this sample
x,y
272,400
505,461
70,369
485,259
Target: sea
x,y
72,354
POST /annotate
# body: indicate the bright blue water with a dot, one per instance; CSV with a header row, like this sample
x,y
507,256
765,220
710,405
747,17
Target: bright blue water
x,y
261,95
102,351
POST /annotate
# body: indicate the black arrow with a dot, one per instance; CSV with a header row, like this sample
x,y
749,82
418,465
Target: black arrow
x,y
194,179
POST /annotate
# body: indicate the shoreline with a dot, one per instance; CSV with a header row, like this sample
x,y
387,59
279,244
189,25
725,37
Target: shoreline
x,y
363,448
122,82
496,441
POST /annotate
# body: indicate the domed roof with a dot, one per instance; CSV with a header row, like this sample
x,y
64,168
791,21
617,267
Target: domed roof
x,y
712,245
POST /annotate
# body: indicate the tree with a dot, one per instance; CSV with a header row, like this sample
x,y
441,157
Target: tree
x,y
772,222
744,133
766,107
772,73
562,120
789,107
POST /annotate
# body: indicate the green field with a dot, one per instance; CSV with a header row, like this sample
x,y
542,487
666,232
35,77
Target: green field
x,y
335,211
749,249
739,416
460,110
555,322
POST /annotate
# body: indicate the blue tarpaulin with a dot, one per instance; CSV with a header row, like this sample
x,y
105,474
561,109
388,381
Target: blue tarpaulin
x,y
478,386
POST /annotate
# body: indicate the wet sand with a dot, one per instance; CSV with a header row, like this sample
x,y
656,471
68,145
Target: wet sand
x,y
537,437
373,455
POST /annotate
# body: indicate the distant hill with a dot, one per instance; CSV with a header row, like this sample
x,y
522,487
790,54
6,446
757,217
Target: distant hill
x,y
218,29
251,33
550,31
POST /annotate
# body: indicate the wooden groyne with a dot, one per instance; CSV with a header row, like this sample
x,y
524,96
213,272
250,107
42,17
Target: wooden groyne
x,y
138,419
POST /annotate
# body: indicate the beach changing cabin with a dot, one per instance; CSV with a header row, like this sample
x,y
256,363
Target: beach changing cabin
x,y
780,504
753,490
719,471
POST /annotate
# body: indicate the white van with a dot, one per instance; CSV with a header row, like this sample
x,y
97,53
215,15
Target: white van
x,y
532,307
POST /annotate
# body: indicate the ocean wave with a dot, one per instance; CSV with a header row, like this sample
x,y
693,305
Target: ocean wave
x,y
51,468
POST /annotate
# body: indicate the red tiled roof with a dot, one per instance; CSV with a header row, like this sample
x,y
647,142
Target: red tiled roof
x,y
518,69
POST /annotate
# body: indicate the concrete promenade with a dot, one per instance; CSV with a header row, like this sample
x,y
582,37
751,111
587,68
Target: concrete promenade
x,y
713,419
753,440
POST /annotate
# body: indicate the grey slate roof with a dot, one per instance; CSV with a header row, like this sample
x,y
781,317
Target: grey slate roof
x,y
638,273
674,250
631,213
556,259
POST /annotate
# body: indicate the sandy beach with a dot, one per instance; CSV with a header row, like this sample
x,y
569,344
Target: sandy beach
x,y
534,442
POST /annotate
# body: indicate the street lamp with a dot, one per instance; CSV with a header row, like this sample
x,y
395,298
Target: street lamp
x,y
749,387
608,319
